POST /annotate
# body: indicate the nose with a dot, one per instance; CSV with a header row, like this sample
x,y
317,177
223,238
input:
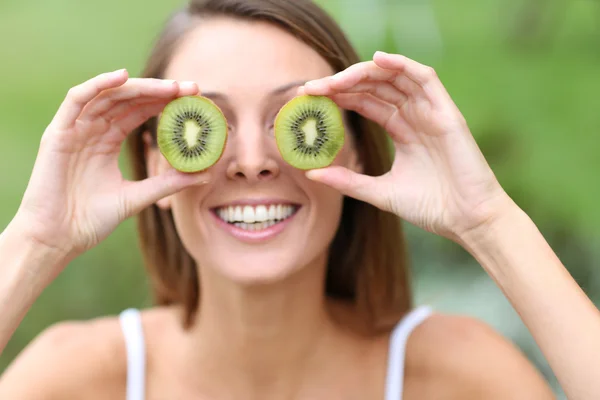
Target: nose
x,y
253,160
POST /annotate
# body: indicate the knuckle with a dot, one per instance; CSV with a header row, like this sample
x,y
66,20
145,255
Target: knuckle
x,y
363,74
48,136
45,139
430,72
74,93
45,143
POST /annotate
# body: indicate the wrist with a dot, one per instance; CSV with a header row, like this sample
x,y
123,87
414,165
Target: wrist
x,y
494,243
505,215
23,253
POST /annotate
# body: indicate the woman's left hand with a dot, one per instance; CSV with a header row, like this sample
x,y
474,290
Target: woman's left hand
x,y
439,180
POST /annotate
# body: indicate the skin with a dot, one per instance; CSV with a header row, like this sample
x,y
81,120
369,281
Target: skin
x,y
264,330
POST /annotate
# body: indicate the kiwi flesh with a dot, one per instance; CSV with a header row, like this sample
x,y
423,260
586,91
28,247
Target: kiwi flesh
x,y
309,131
192,133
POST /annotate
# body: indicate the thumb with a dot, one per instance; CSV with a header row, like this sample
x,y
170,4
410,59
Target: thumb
x,y
139,195
349,183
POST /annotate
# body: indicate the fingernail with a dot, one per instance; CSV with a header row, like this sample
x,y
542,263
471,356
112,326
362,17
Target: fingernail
x,y
187,85
381,53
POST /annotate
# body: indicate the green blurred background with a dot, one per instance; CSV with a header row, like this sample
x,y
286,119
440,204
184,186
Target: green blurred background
x,y
526,74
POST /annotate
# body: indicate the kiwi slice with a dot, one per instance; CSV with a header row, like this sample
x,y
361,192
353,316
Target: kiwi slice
x,y
192,133
309,131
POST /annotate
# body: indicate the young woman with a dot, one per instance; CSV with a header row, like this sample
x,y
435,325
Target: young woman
x,y
316,306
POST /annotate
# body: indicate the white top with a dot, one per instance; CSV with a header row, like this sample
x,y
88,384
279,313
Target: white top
x,y
131,324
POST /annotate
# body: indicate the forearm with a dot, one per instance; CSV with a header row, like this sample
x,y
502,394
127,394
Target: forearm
x,y
26,268
561,318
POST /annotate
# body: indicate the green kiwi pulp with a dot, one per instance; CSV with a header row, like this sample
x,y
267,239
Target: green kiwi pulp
x,y
309,131
192,133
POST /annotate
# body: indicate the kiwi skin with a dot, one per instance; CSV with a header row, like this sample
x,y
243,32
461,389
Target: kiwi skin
x,y
280,131
162,148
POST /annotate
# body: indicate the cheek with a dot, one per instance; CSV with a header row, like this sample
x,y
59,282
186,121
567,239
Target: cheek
x,y
185,207
328,211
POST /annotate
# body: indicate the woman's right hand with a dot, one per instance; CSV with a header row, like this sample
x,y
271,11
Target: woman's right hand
x,y
77,195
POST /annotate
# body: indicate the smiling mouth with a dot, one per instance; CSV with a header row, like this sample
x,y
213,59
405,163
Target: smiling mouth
x,y
256,218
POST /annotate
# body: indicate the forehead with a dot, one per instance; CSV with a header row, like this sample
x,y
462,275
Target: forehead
x,y
224,54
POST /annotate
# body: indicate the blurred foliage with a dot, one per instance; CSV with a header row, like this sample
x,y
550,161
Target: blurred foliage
x,y
524,72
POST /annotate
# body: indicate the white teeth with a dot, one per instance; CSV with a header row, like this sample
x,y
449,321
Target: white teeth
x,y
260,214
255,218
249,215
237,215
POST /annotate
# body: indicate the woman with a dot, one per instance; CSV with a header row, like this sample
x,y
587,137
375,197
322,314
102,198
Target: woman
x,y
316,306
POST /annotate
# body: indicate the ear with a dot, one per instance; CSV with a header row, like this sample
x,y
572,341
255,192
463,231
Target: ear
x,y
155,165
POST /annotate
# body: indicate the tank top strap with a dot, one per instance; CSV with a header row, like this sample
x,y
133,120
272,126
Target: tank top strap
x,y
397,350
131,325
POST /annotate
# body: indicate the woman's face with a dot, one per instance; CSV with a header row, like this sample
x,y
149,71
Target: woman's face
x,y
250,70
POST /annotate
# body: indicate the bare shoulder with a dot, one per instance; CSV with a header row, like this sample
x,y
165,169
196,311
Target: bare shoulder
x,y
461,357
70,360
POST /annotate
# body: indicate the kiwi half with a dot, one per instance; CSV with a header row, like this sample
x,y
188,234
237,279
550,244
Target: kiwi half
x,y
192,133
309,131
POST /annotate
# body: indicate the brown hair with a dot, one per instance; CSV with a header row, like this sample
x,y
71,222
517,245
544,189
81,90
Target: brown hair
x,y
367,261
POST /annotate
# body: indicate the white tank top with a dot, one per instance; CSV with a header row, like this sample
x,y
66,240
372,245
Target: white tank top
x,y
131,324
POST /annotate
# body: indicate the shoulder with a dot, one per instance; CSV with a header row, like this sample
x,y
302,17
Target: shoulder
x,y
466,357
69,359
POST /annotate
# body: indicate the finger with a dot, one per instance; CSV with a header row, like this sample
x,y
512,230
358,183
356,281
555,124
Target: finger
x,y
136,196
362,72
135,88
119,109
124,108
138,116
301,91
378,111
382,90
79,96
423,75
366,105
349,183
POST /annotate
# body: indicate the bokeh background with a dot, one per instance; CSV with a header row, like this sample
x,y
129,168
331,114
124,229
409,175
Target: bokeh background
x,y
526,74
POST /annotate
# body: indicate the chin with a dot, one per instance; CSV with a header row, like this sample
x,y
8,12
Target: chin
x,y
260,267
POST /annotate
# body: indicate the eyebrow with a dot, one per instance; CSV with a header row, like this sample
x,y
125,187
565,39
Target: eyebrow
x,y
277,91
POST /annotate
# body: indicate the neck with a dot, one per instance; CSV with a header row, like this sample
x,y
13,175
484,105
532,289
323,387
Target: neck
x,y
265,338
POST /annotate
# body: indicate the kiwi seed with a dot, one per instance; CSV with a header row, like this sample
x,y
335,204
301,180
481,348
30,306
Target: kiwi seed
x,y
309,131
192,133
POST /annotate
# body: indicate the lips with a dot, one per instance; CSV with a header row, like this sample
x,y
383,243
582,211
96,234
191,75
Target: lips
x,y
256,222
